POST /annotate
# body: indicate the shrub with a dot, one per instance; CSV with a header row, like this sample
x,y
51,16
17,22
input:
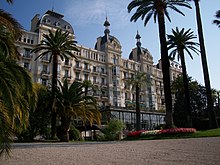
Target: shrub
x,y
74,134
113,128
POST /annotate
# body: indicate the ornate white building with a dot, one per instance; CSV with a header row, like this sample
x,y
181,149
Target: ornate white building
x,y
103,65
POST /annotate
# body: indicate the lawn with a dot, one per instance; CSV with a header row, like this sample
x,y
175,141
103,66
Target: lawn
x,y
197,134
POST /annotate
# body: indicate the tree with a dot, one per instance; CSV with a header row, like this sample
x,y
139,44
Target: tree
x,y
58,44
39,117
138,81
158,8
16,93
87,84
178,42
212,118
198,100
73,103
217,20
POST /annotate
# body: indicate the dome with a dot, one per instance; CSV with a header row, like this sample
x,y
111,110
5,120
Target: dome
x,y
53,19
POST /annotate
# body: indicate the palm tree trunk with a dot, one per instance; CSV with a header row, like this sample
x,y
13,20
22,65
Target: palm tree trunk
x,y
212,117
166,71
54,84
186,90
65,125
138,113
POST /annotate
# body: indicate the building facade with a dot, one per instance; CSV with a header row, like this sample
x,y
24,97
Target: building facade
x,y
103,66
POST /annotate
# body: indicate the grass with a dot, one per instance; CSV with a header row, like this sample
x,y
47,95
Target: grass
x,y
197,134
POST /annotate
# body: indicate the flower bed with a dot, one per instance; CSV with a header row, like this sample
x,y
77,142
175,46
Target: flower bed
x,y
135,133
171,131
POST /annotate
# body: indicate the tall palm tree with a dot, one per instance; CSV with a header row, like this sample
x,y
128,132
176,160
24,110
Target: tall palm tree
x,y
212,117
58,44
217,20
138,81
180,41
158,8
73,103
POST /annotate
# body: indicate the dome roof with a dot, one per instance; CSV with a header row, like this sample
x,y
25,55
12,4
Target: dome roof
x,y
53,19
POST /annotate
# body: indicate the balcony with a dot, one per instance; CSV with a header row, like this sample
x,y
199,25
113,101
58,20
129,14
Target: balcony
x,y
78,79
27,56
45,59
67,64
77,67
45,73
104,96
87,69
104,73
104,84
67,77
95,72
96,83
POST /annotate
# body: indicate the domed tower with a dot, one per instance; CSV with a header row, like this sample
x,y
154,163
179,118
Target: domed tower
x,y
107,24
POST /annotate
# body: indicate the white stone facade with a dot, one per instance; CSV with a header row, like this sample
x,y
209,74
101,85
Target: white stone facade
x,y
103,65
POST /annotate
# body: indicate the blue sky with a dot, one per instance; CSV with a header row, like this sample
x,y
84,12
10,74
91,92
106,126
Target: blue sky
x,y
87,18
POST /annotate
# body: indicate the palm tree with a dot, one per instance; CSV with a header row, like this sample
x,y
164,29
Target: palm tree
x,y
212,117
10,24
16,84
73,103
217,20
58,44
138,81
180,41
158,8
87,84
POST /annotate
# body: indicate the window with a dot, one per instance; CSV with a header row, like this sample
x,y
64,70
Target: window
x,y
66,74
77,64
86,66
103,80
94,79
44,82
102,70
66,61
27,53
86,76
27,65
77,76
94,69
45,68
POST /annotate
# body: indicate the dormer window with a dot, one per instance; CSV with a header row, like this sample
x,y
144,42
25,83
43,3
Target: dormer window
x,y
67,27
57,24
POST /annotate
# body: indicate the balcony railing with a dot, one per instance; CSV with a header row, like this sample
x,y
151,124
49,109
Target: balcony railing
x,y
45,73
27,56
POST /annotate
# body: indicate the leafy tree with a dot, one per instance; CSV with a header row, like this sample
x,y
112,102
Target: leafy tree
x,y
217,20
198,102
39,118
58,44
178,42
137,82
112,129
158,9
213,122
72,103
